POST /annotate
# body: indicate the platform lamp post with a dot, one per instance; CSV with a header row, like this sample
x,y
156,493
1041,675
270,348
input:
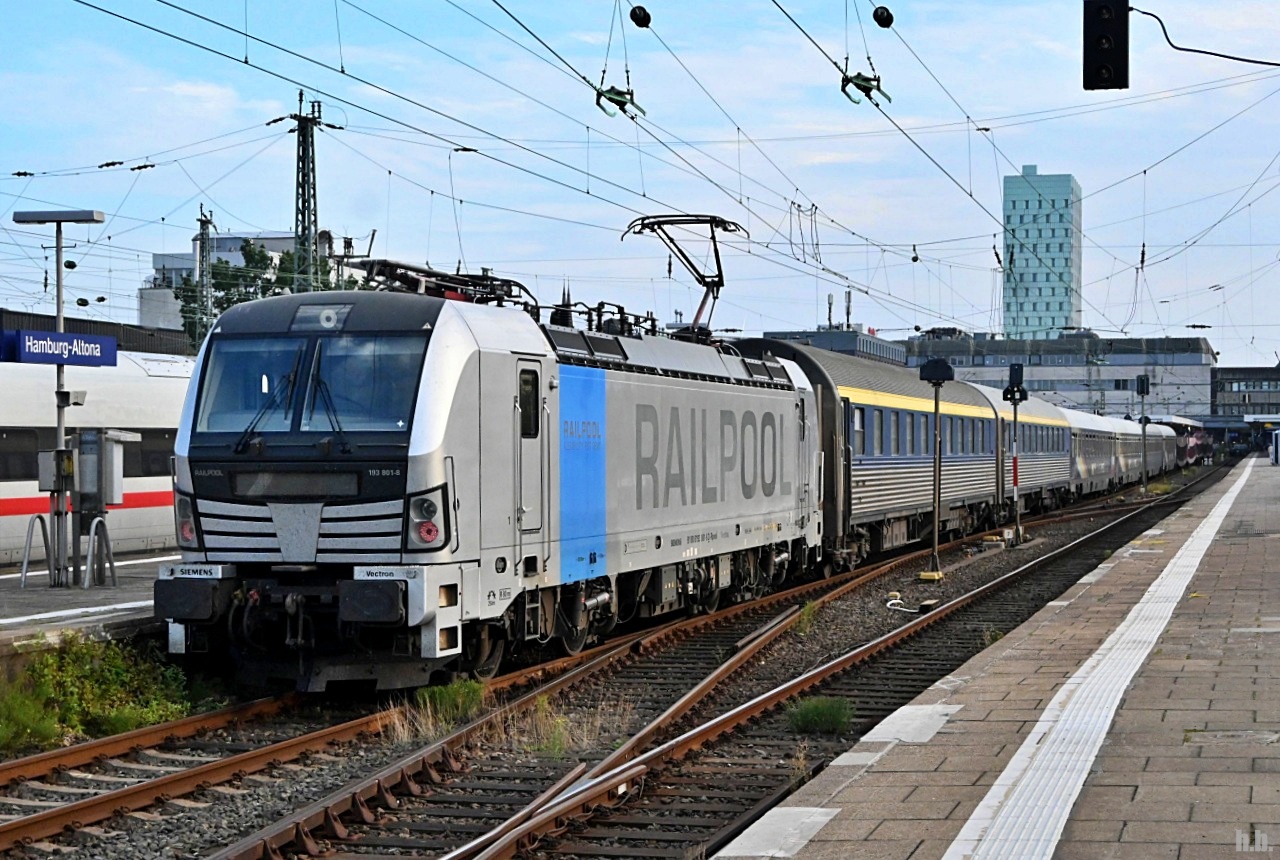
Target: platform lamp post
x,y
936,371
1014,393
58,567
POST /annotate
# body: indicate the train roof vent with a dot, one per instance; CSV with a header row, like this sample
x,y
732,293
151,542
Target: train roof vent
x,y
568,340
603,346
757,369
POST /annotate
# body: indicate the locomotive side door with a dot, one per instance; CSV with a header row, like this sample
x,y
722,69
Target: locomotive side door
x,y
530,420
513,457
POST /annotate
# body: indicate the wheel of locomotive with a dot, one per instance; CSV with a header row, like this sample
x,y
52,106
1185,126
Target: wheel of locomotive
x,y
482,653
708,594
572,644
768,568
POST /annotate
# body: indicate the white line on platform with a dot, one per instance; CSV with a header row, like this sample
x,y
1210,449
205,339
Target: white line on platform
x,y
73,613
132,561
1023,814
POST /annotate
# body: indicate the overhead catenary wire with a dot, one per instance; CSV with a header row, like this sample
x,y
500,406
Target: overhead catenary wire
x,y
373,112
830,241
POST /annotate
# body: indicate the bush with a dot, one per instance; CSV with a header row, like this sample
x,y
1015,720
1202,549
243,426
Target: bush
x,y
95,687
820,716
24,721
86,687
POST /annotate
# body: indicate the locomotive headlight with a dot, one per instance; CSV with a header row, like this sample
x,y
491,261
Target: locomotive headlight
x,y
185,522
428,526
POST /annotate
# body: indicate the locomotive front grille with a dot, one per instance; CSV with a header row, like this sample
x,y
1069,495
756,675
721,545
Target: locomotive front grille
x,y
302,532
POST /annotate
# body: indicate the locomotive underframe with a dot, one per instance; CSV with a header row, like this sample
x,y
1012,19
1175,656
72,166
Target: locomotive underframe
x,y
314,625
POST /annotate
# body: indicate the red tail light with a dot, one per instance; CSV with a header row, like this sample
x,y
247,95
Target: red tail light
x,y
428,525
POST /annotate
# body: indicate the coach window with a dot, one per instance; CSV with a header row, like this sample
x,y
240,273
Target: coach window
x,y
859,431
156,449
911,433
132,458
18,455
894,426
877,432
529,412
945,424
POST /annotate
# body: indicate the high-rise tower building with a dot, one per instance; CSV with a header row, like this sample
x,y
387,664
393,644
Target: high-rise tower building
x,y
1041,255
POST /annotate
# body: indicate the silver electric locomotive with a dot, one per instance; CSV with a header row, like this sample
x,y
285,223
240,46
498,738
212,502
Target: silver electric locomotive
x,y
374,485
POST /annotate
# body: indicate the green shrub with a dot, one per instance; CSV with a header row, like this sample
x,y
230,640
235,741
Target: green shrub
x,y
95,685
87,687
24,721
820,715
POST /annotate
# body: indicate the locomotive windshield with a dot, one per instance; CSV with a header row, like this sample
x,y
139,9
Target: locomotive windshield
x,y
320,383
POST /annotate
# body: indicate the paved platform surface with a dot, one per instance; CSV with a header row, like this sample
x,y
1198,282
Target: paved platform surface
x,y
1136,717
36,615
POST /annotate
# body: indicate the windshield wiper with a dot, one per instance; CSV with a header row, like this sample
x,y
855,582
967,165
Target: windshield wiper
x,y
331,412
283,390
321,387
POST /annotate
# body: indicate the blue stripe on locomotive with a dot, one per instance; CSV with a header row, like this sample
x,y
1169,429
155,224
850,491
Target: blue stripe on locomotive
x,y
582,473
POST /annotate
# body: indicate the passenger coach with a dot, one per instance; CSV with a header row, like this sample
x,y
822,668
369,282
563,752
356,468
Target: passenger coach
x,y
142,393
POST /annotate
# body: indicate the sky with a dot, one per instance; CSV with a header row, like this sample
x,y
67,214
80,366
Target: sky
x,y
469,138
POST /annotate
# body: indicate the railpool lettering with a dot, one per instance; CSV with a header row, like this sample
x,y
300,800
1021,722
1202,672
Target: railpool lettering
x,y
705,457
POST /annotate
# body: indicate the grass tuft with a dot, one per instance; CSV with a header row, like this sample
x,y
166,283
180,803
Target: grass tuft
x,y
820,715
454,703
808,617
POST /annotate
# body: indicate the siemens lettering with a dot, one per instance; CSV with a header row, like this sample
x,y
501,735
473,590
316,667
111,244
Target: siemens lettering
x,y
701,456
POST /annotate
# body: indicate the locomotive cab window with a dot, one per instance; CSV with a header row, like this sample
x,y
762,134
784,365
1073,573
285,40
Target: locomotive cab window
x,y
529,413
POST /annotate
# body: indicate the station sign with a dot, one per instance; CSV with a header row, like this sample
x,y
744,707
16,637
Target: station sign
x,y
47,347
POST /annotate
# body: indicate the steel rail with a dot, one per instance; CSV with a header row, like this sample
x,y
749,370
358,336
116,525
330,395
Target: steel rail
x,y
611,788
81,754
326,814
404,772
29,828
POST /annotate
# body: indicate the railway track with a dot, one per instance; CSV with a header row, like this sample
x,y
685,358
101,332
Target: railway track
x,y
87,783
480,808
465,790
690,796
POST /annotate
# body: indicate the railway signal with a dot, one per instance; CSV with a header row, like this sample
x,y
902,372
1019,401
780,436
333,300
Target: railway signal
x,y
1144,389
936,371
1106,45
1015,393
